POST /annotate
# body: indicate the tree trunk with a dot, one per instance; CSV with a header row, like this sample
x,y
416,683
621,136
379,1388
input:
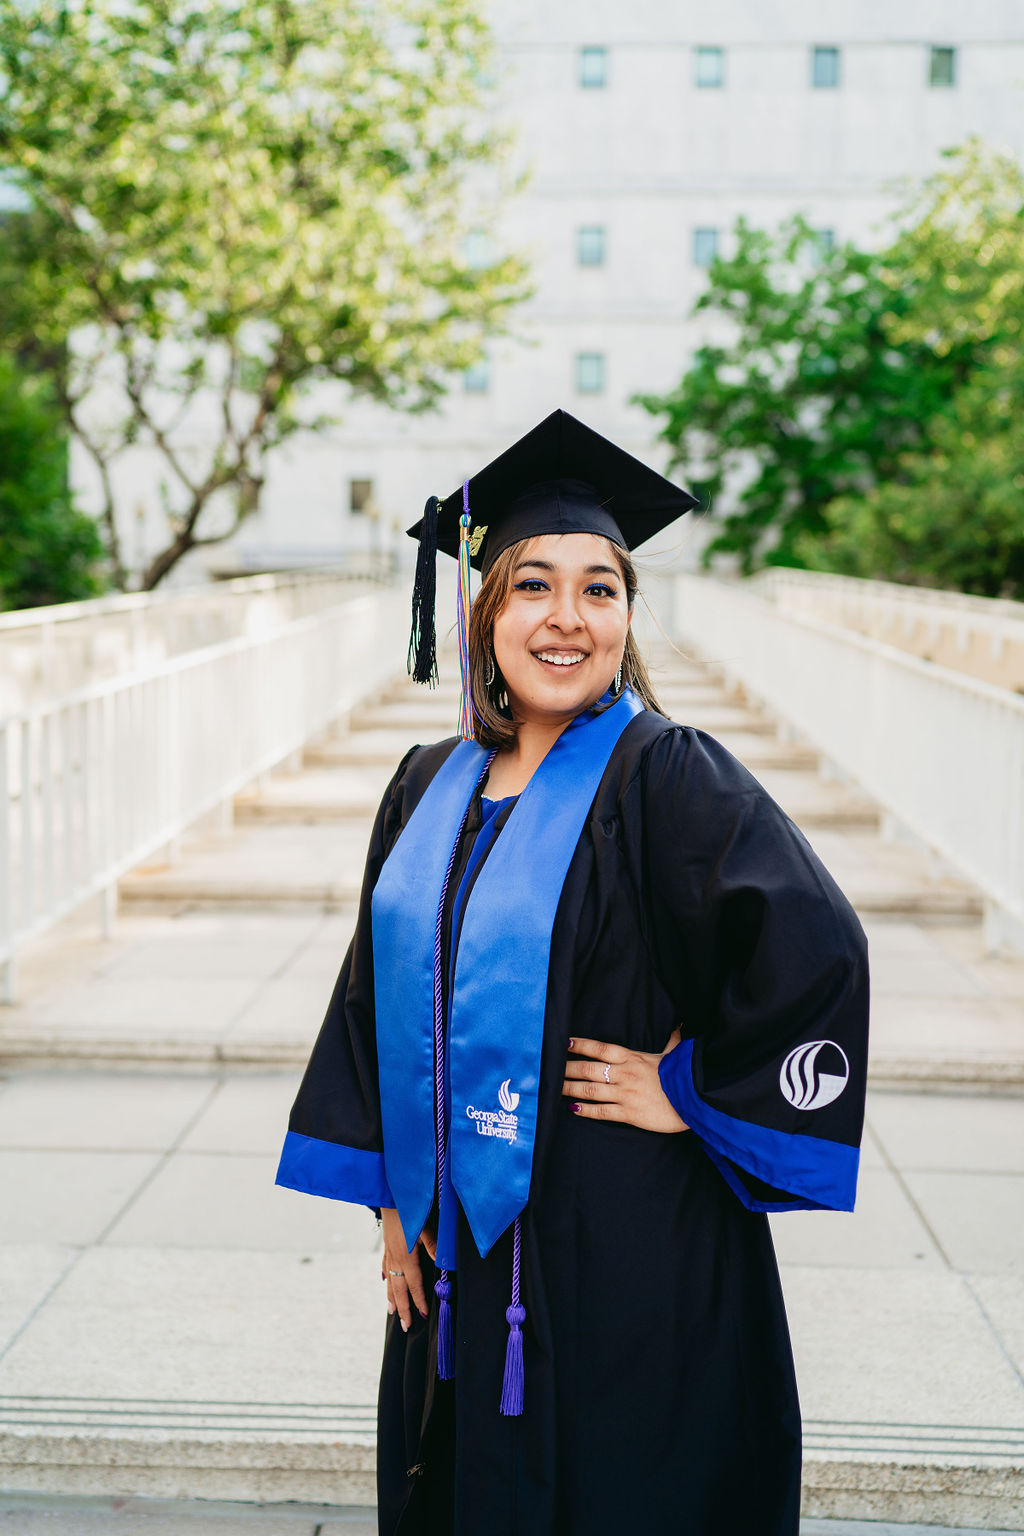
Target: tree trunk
x,y
166,560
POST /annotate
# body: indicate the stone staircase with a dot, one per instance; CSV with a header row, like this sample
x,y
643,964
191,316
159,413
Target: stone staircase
x,y
299,839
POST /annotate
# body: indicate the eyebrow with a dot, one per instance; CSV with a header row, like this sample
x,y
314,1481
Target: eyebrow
x,y
589,570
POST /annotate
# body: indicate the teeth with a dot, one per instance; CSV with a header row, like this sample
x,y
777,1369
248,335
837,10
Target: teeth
x,y
560,659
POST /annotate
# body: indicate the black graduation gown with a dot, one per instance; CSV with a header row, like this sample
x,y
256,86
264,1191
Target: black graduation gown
x,y
659,1384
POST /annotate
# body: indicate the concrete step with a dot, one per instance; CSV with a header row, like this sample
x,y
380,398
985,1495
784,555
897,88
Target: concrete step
x,y
435,719
322,864
370,749
317,794
263,866
908,1472
758,752
346,792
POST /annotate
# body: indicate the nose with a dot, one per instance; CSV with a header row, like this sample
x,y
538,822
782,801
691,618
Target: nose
x,y
564,614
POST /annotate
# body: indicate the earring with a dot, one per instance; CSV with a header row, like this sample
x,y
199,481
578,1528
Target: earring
x,y
618,679
490,671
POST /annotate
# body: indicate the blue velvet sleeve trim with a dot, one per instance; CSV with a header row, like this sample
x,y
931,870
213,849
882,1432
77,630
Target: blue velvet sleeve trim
x,y
337,1172
822,1175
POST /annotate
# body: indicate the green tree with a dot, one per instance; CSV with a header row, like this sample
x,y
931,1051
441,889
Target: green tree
x,y
232,204
49,551
954,516
799,396
859,412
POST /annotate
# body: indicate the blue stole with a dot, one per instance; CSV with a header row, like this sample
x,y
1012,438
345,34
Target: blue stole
x,y
501,973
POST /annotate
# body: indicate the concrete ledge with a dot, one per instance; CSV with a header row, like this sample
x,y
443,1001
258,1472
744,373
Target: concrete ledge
x,y
39,1051
268,1467
936,1491
187,889
986,1491
26,1052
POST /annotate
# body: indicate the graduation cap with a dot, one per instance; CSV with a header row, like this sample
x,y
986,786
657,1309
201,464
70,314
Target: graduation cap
x,y
562,477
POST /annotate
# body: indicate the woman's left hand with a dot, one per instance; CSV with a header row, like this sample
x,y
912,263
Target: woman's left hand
x,y
607,1082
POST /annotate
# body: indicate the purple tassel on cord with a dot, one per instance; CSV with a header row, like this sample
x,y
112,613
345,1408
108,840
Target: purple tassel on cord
x,y
445,1351
513,1385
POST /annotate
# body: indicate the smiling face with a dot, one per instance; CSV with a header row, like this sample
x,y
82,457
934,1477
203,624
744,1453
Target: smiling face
x,y
559,639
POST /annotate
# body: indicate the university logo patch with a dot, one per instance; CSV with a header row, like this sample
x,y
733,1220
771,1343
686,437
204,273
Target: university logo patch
x,y
814,1074
503,1122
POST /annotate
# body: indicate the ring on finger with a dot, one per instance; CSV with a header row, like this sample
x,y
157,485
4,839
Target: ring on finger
x,y
607,1072
398,1274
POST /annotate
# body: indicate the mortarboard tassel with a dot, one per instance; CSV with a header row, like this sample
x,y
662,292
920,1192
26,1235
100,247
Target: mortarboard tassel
x,y
421,661
513,1385
466,725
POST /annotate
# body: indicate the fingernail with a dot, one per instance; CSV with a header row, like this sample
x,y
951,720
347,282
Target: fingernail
x,y
405,1326
391,1309
572,1045
421,1312
576,1108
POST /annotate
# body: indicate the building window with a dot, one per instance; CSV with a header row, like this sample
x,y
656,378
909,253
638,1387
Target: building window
x,y
476,380
705,247
590,245
594,67
825,68
589,373
360,494
942,67
710,67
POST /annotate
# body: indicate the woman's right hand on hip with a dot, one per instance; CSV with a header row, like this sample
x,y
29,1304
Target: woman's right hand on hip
x,y
401,1270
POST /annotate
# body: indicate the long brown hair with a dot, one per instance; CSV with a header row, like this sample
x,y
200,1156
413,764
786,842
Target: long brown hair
x,y
494,724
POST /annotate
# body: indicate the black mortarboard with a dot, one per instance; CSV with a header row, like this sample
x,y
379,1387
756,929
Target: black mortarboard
x,y
562,477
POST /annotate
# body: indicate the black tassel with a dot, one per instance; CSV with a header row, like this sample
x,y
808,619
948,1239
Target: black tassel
x,y
421,662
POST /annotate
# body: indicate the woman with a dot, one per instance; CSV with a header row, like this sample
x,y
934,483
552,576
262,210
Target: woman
x,y
598,968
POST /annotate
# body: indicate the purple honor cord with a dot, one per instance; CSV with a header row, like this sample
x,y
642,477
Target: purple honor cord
x,y
512,1389
443,1286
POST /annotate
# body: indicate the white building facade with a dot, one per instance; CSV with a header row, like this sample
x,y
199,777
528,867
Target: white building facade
x,y
647,129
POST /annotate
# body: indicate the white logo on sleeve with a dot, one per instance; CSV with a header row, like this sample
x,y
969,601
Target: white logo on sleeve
x,y
814,1074
502,1123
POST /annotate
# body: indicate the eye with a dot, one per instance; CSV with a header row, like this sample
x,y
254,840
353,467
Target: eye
x,y
531,584
601,589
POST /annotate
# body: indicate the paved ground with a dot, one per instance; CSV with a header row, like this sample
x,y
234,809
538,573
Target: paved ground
x,y
171,1323
35,1516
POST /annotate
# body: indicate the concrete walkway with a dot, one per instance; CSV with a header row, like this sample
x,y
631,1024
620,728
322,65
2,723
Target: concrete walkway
x,y
172,1325
38,1516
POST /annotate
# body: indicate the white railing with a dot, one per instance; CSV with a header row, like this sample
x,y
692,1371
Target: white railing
x,y
944,753
94,783
48,652
981,636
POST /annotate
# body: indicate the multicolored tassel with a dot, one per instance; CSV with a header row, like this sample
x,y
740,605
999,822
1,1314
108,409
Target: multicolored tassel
x,y
512,1388
466,725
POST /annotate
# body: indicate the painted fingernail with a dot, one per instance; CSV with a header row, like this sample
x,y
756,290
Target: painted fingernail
x,y
421,1312
405,1326
572,1045
577,1108
391,1309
